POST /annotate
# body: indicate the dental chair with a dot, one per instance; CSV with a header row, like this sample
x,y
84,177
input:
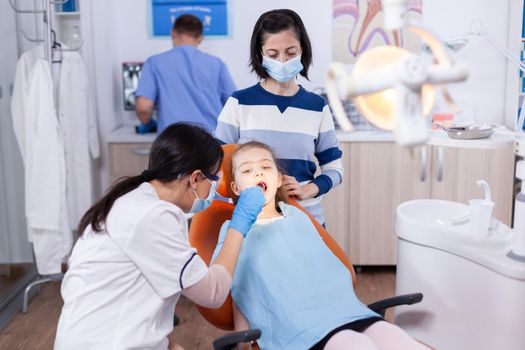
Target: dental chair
x,y
204,233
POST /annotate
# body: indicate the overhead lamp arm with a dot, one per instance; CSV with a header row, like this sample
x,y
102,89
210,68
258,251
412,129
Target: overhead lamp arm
x,y
476,29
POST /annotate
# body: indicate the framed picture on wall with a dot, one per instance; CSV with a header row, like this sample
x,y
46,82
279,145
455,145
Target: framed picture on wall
x,y
130,81
357,25
212,13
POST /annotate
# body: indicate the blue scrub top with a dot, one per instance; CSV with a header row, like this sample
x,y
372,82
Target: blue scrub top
x,y
187,85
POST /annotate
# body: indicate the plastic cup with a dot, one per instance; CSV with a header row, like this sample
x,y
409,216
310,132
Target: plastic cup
x,y
480,217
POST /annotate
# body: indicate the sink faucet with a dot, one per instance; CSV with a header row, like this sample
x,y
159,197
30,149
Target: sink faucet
x,y
486,188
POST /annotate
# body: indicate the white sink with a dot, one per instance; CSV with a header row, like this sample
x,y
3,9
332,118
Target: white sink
x,y
430,211
434,222
473,288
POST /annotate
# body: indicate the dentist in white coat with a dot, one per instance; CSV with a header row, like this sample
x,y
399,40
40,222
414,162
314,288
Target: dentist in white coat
x,y
134,260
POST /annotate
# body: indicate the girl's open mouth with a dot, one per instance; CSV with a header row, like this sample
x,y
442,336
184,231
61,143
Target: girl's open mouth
x,y
262,185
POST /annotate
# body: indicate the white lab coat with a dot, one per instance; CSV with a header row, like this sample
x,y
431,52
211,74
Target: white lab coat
x,y
123,283
78,124
36,128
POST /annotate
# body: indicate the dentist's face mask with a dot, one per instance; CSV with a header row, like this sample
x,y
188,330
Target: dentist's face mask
x,y
282,71
200,204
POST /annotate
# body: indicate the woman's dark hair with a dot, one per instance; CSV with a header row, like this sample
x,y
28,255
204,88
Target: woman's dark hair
x,y
178,151
280,195
273,22
188,24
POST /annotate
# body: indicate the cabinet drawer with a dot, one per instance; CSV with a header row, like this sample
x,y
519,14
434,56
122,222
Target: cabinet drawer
x,y
127,159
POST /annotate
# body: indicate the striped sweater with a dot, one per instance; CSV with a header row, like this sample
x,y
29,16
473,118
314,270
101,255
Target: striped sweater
x,y
299,129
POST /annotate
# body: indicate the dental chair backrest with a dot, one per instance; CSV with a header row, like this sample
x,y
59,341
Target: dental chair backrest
x,y
204,233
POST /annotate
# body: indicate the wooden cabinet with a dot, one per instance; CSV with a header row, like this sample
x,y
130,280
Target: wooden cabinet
x,y
382,175
456,170
127,159
379,176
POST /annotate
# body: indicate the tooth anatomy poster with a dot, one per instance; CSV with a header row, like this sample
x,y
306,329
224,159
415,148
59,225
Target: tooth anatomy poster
x,y
358,25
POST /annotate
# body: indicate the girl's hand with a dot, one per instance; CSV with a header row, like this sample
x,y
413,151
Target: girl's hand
x,y
292,188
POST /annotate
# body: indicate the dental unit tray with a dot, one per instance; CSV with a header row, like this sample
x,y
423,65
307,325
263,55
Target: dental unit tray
x,y
469,132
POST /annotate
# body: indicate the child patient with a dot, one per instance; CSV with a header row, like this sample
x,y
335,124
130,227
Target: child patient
x,y
288,283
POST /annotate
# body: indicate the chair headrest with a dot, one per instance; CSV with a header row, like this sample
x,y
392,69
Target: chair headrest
x,y
224,187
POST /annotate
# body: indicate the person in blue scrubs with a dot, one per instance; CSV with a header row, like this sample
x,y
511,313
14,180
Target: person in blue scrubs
x,y
186,84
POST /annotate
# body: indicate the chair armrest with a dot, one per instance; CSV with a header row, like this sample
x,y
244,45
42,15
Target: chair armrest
x,y
405,299
229,341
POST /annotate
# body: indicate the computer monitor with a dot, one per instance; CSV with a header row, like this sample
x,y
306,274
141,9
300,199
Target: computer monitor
x,y
130,80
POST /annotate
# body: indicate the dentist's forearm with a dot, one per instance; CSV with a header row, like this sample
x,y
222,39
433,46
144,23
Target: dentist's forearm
x,y
144,117
230,250
212,290
214,287
144,108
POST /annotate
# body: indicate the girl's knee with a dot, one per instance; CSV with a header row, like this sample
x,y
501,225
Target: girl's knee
x,y
389,336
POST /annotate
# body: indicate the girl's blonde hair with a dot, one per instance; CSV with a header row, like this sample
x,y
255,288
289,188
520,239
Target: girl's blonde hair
x,y
280,195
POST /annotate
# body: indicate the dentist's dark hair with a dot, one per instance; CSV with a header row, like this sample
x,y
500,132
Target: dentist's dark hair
x,y
273,22
178,151
189,25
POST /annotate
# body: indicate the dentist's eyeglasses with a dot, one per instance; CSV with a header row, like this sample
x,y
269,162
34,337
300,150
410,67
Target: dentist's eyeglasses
x,y
215,177
210,177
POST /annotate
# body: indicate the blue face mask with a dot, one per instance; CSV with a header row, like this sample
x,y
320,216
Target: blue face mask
x,y
200,204
282,72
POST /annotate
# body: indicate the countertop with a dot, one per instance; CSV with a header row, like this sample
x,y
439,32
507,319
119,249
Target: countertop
x,y
127,134
498,140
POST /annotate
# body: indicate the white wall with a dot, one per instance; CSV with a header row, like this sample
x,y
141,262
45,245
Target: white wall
x,y
514,46
14,247
119,30
482,96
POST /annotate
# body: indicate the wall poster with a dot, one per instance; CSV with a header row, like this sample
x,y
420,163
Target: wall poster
x,y
358,25
212,13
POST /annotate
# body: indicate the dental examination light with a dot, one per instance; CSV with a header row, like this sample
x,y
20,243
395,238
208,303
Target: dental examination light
x,y
391,87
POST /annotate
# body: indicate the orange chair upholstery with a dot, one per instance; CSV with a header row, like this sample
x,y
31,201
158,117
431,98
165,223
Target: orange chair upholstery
x,y
204,233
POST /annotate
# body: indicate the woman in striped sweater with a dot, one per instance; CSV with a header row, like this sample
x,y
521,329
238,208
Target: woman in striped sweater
x,y
296,123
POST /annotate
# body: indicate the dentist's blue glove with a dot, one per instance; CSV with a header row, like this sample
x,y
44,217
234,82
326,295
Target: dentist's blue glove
x,y
151,126
248,206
